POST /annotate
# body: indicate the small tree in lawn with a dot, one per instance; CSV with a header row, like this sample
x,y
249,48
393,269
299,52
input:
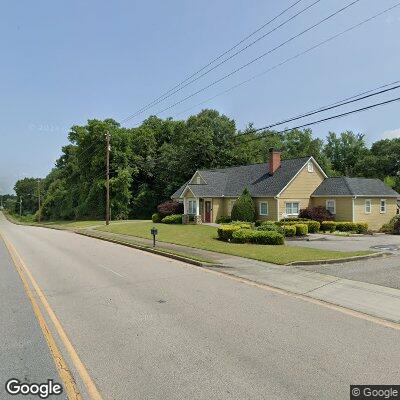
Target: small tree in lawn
x,y
243,209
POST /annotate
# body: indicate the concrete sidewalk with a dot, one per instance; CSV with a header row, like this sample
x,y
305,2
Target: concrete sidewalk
x,y
375,300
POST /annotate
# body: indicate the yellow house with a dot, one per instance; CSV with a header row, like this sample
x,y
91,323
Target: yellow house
x,y
281,188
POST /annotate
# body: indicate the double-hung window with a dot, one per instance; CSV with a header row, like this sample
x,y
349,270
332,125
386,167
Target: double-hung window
x,y
368,206
263,208
192,209
310,166
331,206
292,208
383,206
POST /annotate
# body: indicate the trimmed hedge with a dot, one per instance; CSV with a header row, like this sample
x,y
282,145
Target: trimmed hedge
x,y
258,237
269,226
313,226
156,217
301,229
358,227
289,230
225,232
172,219
223,220
328,226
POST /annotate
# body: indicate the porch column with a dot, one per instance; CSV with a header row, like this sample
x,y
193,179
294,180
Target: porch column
x,y
198,206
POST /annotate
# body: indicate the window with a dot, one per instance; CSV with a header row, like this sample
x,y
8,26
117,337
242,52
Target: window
x,y
198,180
192,209
383,206
292,208
331,206
368,206
310,166
263,208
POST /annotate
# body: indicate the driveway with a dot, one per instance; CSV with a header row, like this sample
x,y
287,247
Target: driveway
x,y
383,271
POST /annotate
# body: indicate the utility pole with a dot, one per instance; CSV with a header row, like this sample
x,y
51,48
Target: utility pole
x,y
107,178
39,212
20,206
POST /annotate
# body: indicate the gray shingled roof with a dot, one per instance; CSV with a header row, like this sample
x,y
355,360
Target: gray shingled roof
x,y
230,182
344,186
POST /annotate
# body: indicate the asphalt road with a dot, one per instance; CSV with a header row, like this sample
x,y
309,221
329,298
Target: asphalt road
x,y
148,327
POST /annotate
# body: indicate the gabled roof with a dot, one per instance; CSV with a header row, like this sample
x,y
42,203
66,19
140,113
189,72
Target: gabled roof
x,y
344,186
230,182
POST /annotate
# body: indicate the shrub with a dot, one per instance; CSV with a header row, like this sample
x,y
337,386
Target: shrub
x,y
223,220
393,226
258,237
243,209
301,229
156,217
328,226
241,224
225,232
270,226
316,213
345,226
170,207
313,226
172,219
289,230
361,227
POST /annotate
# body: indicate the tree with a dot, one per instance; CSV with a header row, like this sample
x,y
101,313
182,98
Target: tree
x,y
243,209
27,190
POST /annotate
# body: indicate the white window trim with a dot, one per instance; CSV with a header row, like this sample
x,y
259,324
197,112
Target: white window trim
x,y
266,203
310,166
292,202
334,206
370,206
380,206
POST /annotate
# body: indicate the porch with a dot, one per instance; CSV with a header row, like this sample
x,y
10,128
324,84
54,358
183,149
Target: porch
x,y
197,210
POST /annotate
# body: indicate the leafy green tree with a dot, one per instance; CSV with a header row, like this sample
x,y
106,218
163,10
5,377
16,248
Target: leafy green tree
x,y
27,190
244,209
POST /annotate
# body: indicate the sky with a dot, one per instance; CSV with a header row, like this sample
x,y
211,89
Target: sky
x,y
63,63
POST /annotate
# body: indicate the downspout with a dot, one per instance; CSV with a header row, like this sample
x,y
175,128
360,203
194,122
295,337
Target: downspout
x,y
352,210
277,206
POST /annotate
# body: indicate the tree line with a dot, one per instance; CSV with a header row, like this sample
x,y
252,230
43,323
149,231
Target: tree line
x,y
149,162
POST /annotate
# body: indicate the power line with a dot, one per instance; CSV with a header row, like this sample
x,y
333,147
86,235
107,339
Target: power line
x,y
183,84
289,59
318,121
330,107
261,56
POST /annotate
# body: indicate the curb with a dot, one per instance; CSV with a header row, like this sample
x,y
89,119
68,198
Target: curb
x,y
339,260
150,250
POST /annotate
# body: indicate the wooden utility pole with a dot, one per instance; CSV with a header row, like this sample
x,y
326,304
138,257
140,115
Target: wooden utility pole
x,y
107,178
39,212
20,206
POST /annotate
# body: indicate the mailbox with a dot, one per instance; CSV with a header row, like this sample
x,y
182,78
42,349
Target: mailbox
x,y
154,232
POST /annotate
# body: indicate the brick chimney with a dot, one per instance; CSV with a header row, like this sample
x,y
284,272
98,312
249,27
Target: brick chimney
x,y
274,160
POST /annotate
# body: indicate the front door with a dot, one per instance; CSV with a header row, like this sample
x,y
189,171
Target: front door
x,y
207,211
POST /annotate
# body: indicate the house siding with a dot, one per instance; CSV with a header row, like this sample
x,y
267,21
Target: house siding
x,y
344,206
375,219
300,189
272,208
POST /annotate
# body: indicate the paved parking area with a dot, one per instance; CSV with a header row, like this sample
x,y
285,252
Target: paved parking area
x,y
383,271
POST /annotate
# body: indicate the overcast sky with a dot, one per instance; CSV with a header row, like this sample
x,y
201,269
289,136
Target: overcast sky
x,y
65,62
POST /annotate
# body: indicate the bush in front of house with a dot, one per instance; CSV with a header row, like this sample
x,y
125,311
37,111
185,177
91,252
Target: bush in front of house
x,y
313,226
225,232
289,230
223,220
392,227
358,227
270,226
243,209
172,219
318,213
258,237
170,207
301,229
328,226
156,217
361,227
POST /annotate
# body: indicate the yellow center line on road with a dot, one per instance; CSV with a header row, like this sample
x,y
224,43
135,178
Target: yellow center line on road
x,y
65,374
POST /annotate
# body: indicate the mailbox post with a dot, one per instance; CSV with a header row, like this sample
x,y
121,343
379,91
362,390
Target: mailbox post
x,y
154,232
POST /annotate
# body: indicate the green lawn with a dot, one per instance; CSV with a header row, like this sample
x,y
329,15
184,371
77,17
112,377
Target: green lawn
x,y
205,237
